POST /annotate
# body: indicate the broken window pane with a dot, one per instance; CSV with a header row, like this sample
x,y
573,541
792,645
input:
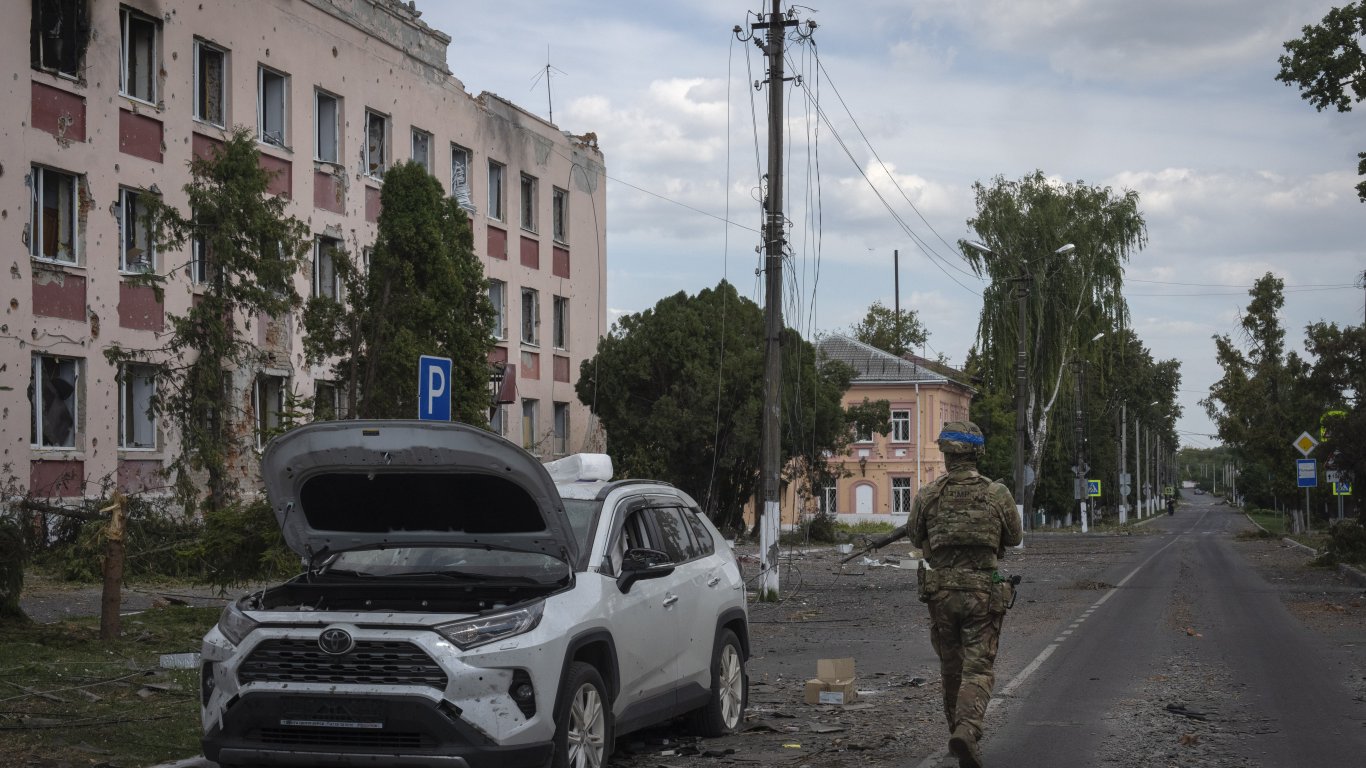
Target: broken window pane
x,y
52,395
460,178
138,76
53,224
328,109
325,282
559,214
422,149
376,143
531,316
137,250
268,400
137,422
209,66
270,106
495,191
58,34
528,203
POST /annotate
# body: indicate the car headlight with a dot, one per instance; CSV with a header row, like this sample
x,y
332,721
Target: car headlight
x,y
472,633
234,624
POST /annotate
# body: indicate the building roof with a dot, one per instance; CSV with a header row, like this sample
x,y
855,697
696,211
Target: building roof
x,y
873,366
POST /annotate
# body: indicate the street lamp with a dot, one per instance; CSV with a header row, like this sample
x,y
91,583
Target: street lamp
x,y
1021,294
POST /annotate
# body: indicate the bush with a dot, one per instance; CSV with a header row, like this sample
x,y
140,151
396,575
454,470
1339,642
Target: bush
x,y
243,543
13,554
1346,544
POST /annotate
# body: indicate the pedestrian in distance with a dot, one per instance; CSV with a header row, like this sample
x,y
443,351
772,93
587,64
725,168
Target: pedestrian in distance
x,y
962,522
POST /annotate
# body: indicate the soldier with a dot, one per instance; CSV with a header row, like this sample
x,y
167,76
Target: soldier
x,y
963,522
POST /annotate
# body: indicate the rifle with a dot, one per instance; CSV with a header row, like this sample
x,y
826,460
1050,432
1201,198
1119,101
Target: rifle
x,y
879,543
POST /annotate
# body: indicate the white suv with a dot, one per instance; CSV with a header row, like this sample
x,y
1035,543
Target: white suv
x,y
465,605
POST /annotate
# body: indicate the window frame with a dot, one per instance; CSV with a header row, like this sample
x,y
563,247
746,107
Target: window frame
x,y
130,405
530,415
200,88
559,215
127,17
73,25
461,188
560,431
426,160
262,106
901,425
531,321
901,495
372,169
267,421
129,198
325,250
559,316
38,209
527,189
498,296
496,193
498,419
38,404
319,94
828,501
332,390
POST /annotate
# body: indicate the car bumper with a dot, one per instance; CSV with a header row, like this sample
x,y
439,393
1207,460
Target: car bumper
x,y
271,729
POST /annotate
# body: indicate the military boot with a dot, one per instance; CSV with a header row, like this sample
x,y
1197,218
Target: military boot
x,y
963,745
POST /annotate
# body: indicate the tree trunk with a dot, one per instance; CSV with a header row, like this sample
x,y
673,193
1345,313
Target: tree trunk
x,y
111,598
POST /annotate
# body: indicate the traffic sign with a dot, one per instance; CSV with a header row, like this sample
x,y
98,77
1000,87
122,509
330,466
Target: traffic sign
x,y
1125,490
1342,489
1331,475
434,388
1305,443
1307,473
1092,487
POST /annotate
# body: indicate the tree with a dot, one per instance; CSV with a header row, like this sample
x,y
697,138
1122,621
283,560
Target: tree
x,y
252,250
1338,380
890,330
424,294
1329,67
1068,299
679,392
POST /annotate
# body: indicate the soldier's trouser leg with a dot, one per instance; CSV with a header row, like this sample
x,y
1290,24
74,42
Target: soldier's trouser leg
x,y
965,632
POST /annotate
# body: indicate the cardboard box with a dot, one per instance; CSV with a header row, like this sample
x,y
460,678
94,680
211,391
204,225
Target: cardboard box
x,y
833,683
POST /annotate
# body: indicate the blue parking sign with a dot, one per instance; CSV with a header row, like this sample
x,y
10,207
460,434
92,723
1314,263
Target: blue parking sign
x,y
434,388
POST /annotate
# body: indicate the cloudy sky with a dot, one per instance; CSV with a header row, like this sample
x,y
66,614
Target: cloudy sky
x,y
1174,99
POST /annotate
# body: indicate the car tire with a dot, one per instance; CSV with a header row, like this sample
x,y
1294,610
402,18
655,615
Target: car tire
x,y
583,725
724,712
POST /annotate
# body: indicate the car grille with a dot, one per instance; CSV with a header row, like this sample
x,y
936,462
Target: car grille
x,y
370,662
301,737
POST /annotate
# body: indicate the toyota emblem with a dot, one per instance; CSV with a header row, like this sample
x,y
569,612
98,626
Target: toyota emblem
x,y
336,641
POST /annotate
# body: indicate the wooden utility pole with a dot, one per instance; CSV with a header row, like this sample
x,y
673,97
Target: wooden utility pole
x,y
111,597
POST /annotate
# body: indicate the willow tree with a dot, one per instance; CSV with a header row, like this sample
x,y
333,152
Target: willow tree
x,y
1068,298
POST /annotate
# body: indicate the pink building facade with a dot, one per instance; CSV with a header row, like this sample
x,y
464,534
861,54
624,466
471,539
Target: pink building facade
x,y
113,102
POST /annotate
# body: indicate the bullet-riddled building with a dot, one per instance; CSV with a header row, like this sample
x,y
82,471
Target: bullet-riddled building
x,y
114,100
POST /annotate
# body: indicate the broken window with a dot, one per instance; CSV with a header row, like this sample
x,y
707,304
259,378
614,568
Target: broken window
x,y
326,284
268,401
138,75
328,109
210,84
560,322
53,218
531,316
422,149
460,178
559,215
528,203
498,294
529,408
327,402
137,421
137,249
271,92
496,190
376,144
561,446
59,31
53,394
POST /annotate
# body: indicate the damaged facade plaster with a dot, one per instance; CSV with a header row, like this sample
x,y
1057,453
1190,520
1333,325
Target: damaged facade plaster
x,y
370,55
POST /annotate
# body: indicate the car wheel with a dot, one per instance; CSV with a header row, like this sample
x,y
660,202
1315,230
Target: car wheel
x,y
725,710
583,728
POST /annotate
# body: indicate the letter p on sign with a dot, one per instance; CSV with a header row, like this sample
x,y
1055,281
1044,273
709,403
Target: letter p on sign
x,y
434,388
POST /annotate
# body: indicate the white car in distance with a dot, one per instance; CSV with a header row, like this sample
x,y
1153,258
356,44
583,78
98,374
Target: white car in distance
x,y
464,605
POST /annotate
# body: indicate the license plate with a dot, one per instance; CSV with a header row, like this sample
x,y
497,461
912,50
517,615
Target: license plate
x,y
314,713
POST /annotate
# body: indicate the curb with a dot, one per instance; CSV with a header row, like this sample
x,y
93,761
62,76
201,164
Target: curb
x,y
1354,575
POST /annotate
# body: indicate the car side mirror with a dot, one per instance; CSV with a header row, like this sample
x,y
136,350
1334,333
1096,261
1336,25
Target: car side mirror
x,y
641,563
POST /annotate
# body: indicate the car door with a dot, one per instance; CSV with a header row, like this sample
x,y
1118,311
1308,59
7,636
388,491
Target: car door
x,y
696,581
645,620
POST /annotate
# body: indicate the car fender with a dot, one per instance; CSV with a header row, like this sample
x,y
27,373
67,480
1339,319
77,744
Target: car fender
x,y
607,666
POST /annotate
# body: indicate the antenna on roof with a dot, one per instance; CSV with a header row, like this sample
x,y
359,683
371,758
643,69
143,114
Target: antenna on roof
x,y
546,72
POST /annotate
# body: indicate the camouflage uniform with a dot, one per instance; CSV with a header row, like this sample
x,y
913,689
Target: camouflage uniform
x,y
963,522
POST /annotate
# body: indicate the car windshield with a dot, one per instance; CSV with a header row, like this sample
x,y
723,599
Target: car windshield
x,y
581,512
472,564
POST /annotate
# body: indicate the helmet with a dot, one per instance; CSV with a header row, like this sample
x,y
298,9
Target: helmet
x,y
962,437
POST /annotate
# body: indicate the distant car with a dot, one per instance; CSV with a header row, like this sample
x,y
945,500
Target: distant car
x,y
1199,491
465,605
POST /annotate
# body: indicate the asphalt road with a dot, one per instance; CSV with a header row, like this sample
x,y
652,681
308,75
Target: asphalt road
x,y
1188,618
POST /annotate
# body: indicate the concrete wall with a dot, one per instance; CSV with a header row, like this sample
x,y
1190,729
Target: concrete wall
x,y
372,55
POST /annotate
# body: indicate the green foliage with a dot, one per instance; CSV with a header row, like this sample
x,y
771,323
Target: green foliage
x,y
424,294
822,528
13,556
155,542
242,543
1070,297
1338,383
252,250
679,391
1346,544
1328,65
883,328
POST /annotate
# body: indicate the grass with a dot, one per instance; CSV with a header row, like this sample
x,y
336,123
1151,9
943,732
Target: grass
x,y
66,698
1277,524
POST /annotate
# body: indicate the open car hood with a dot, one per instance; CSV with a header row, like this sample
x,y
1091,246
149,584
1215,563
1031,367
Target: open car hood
x,y
337,485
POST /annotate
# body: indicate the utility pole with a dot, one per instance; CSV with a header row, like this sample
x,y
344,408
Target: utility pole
x,y
896,300
774,230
